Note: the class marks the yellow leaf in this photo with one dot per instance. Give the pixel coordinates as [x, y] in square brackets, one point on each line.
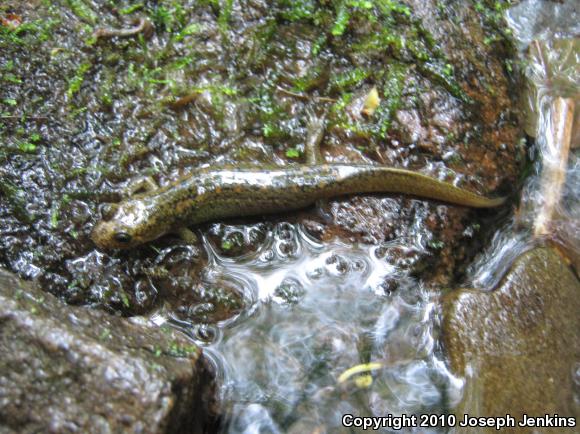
[364, 381]
[358, 369]
[372, 101]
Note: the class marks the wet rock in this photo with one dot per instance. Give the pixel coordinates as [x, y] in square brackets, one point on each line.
[519, 345]
[68, 369]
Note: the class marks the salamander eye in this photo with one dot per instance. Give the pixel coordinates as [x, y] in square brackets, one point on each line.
[108, 210]
[122, 237]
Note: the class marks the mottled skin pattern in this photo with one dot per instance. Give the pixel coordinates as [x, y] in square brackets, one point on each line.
[209, 194]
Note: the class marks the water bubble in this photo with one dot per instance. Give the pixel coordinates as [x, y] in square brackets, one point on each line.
[207, 333]
[337, 265]
[290, 291]
[178, 259]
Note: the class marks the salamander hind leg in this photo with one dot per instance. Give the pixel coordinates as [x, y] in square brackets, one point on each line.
[188, 236]
[143, 184]
[190, 240]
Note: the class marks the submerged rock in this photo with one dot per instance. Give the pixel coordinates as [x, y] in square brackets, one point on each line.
[68, 369]
[519, 345]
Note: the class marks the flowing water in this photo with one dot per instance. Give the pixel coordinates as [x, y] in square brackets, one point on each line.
[313, 311]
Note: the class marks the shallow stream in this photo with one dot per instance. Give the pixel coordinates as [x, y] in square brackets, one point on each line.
[314, 310]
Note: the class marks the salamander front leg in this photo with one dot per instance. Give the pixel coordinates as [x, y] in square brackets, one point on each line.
[316, 129]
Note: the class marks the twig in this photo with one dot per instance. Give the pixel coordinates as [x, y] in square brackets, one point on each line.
[555, 163]
[306, 97]
[144, 26]
[538, 47]
[24, 117]
[183, 101]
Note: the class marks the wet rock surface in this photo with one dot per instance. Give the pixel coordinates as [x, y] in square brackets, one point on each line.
[519, 346]
[74, 370]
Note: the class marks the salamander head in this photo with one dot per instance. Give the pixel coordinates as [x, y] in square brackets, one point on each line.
[127, 225]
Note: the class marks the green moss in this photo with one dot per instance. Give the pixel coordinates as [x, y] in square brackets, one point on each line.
[168, 15]
[83, 10]
[351, 78]
[366, 11]
[76, 82]
[162, 18]
[54, 216]
[392, 93]
[293, 153]
[442, 74]
[225, 15]
[106, 99]
[75, 112]
[130, 9]
[192, 29]
[320, 42]
[124, 299]
[296, 10]
[231, 241]
[9, 38]
[182, 350]
[29, 34]
[270, 130]
[436, 244]
[339, 106]
[10, 78]
[17, 199]
[268, 113]
[379, 42]
[342, 19]
[8, 66]
[182, 62]
[492, 13]
[27, 147]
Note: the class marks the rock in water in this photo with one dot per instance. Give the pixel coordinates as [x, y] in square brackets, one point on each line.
[68, 369]
[519, 345]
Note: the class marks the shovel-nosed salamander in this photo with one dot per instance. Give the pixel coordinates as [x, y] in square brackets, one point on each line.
[211, 194]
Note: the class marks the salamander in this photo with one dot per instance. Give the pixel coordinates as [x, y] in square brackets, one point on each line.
[211, 194]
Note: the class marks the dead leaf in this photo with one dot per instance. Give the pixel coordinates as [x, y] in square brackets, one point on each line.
[12, 21]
